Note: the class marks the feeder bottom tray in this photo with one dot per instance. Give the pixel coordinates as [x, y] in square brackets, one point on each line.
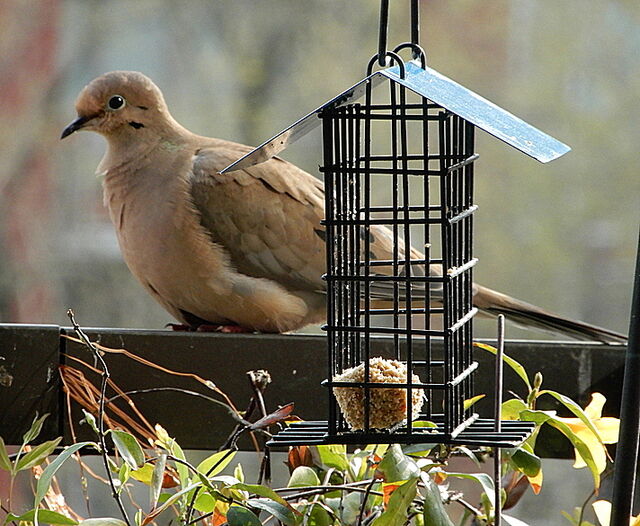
[478, 433]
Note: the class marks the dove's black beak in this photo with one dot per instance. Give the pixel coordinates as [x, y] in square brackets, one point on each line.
[74, 126]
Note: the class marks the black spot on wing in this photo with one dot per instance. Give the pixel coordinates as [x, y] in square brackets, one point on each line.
[322, 234]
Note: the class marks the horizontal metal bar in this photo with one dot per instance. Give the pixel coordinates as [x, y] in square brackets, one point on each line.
[464, 374]
[380, 278]
[401, 210]
[388, 262]
[384, 330]
[421, 310]
[386, 221]
[456, 271]
[461, 164]
[462, 321]
[378, 385]
[462, 215]
[372, 170]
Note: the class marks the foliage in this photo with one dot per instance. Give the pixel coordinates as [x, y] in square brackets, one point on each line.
[329, 485]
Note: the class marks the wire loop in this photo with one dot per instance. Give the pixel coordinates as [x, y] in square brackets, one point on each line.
[417, 52]
[388, 54]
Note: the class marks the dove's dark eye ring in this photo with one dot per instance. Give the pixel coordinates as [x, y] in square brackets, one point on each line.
[116, 102]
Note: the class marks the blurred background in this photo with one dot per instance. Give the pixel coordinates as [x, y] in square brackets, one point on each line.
[561, 235]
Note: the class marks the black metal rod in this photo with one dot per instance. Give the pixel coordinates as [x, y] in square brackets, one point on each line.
[382, 36]
[415, 24]
[497, 460]
[624, 476]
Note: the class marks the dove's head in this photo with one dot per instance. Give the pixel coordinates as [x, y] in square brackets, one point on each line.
[119, 102]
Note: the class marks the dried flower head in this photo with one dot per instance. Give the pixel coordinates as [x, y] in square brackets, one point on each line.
[388, 406]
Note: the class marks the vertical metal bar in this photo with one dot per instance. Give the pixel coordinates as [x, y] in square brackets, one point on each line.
[469, 174]
[407, 249]
[359, 240]
[367, 250]
[426, 195]
[497, 474]
[443, 131]
[354, 298]
[395, 206]
[624, 476]
[327, 137]
[339, 240]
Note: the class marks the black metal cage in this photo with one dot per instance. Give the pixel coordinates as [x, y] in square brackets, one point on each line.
[399, 174]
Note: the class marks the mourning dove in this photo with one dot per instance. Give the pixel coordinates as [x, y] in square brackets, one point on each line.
[245, 249]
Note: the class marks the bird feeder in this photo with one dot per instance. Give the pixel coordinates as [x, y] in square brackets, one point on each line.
[398, 164]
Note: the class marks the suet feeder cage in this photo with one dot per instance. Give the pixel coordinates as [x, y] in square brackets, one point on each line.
[398, 164]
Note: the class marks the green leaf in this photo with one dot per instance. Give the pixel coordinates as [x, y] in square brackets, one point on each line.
[482, 478]
[37, 455]
[183, 471]
[419, 450]
[396, 466]
[575, 409]
[262, 491]
[237, 516]
[49, 472]
[5, 463]
[157, 478]
[280, 512]
[44, 516]
[205, 503]
[123, 475]
[91, 421]
[216, 462]
[517, 368]
[471, 401]
[582, 448]
[319, 517]
[511, 409]
[172, 500]
[144, 474]
[434, 511]
[526, 462]
[35, 429]
[128, 447]
[399, 502]
[102, 521]
[303, 476]
[333, 456]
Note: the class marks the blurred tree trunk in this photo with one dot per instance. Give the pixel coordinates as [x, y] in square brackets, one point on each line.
[28, 39]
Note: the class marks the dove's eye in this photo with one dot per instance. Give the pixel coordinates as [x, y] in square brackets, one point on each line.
[116, 102]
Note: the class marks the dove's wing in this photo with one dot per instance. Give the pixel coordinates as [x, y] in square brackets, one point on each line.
[267, 216]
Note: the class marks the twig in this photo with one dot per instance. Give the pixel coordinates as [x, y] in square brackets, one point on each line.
[103, 391]
[233, 414]
[192, 502]
[208, 383]
[364, 501]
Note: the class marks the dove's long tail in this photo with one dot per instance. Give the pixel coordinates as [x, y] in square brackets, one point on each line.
[524, 314]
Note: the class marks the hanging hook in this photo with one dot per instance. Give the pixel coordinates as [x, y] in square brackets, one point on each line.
[382, 35]
[417, 52]
[394, 57]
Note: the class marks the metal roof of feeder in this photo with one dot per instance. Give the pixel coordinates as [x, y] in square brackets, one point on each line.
[437, 88]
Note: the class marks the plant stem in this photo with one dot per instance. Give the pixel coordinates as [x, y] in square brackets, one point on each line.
[101, 414]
